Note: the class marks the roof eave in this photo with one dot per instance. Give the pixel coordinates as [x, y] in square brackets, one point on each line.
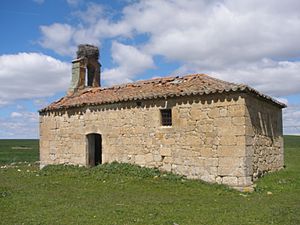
[239, 89]
[247, 89]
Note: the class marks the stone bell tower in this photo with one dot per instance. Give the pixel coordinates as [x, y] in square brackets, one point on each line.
[85, 68]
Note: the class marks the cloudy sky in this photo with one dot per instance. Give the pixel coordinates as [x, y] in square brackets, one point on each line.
[251, 41]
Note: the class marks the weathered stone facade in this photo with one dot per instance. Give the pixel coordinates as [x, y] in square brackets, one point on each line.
[216, 138]
[219, 132]
[264, 136]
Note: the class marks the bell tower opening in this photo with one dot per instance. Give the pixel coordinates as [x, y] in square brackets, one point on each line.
[85, 68]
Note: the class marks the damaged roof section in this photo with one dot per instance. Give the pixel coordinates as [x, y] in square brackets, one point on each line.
[195, 84]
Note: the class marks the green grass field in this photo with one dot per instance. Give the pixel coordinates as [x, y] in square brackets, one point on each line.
[18, 151]
[125, 194]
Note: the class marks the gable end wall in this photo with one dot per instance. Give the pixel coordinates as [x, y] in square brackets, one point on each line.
[264, 136]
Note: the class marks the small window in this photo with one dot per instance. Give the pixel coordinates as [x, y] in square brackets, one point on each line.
[166, 117]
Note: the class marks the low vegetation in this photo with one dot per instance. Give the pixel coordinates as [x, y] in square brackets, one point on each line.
[18, 151]
[127, 194]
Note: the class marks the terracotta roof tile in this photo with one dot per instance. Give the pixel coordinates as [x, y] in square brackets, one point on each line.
[195, 84]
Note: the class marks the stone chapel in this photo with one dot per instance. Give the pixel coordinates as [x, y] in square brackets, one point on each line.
[193, 125]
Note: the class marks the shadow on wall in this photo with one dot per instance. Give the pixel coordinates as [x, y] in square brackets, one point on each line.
[149, 103]
[266, 118]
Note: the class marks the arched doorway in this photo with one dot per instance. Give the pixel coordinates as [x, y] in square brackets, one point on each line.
[94, 149]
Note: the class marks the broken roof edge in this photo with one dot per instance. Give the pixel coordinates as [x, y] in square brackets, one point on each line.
[236, 88]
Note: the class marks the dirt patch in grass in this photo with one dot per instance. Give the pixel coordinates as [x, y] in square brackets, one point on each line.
[20, 148]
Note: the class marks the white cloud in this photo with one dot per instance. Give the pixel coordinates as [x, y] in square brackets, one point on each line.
[130, 60]
[92, 28]
[92, 14]
[291, 117]
[15, 114]
[3, 102]
[216, 33]
[31, 75]
[251, 41]
[276, 78]
[19, 125]
[59, 38]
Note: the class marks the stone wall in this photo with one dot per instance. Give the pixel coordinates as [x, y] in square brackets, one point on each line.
[207, 139]
[264, 136]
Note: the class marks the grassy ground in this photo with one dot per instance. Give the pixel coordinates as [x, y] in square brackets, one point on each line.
[125, 194]
[18, 151]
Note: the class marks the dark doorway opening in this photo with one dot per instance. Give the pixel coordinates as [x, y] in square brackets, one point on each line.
[94, 146]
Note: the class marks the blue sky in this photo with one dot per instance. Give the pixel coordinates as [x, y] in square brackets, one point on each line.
[253, 42]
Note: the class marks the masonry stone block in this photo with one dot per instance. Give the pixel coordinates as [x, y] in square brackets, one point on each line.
[230, 166]
[229, 140]
[166, 152]
[140, 159]
[214, 113]
[231, 151]
[216, 141]
[231, 181]
[223, 112]
[166, 167]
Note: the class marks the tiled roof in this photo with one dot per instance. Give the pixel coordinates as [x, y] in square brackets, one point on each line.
[196, 84]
